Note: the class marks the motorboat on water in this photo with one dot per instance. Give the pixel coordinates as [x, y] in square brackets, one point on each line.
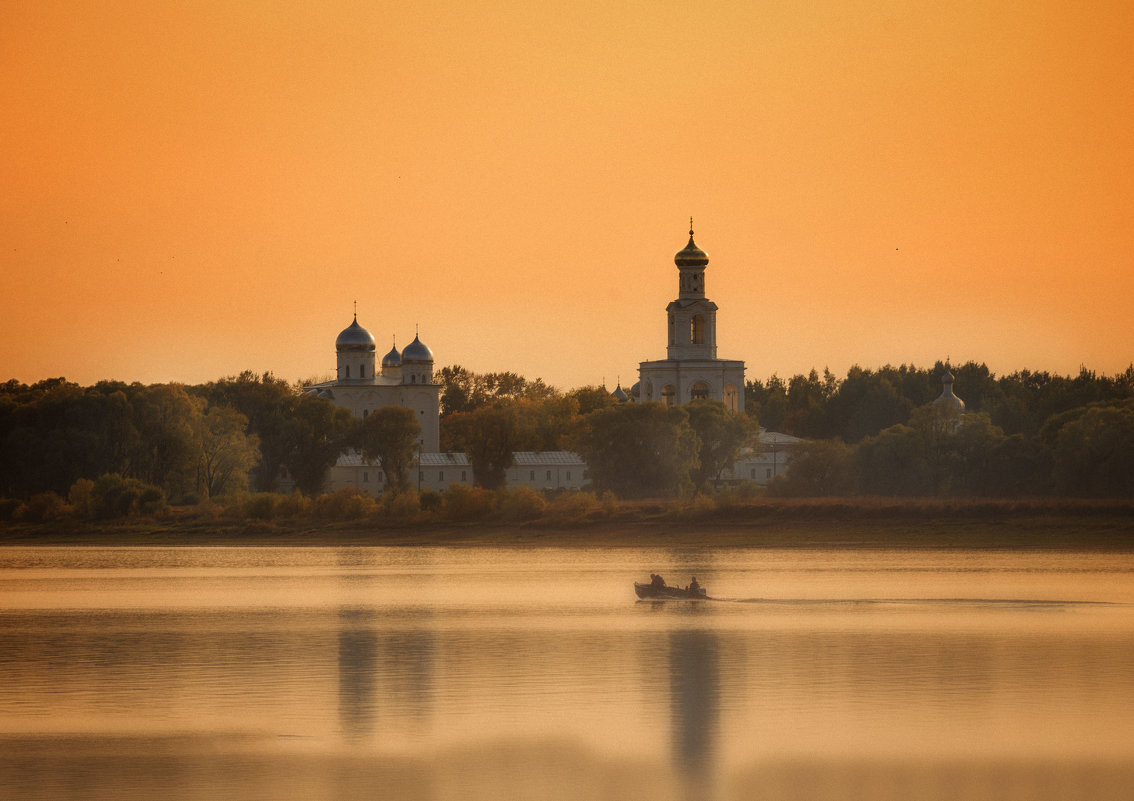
[661, 591]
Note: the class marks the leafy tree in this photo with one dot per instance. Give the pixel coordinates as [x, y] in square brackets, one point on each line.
[319, 432]
[1094, 453]
[767, 402]
[722, 434]
[465, 391]
[167, 420]
[490, 435]
[225, 453]
[390, 436]
[818, 468]
[638, 449]
[269, 404]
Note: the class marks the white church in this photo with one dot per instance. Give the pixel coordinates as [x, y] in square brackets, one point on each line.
[691, 370]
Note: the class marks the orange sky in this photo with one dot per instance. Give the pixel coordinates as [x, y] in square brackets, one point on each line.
[192, 189]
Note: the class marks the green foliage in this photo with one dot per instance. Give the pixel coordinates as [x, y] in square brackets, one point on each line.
[721, 434]
[115, 496]
[81, 497]
[430, 500]
[9, 508]
[225, 453]
[401, 507]
[490, 435]
[818, 467]
[521, 503]
[319, 433]
[390, 436]
[574, 507]
[42, 507]
[638, 450]
[466, 504]
[349, 503]
[465, 391]
[1094, 453]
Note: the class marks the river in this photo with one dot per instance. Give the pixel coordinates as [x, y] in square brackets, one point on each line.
[514, 673]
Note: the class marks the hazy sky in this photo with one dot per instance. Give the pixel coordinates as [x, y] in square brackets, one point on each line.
[189, 189]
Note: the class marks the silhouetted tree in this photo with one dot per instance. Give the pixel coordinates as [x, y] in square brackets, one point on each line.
[390, 435]
[638, 449]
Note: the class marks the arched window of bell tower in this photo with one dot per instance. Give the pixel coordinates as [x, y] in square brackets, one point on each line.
[669, 395]
[697, 330]
[699, 391]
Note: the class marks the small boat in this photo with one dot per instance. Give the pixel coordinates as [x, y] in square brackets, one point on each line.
[664, 591]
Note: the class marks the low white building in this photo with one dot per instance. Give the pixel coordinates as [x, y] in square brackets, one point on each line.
[547, 470]
[766, 462]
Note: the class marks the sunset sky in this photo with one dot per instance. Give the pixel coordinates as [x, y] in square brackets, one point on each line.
[190, 189]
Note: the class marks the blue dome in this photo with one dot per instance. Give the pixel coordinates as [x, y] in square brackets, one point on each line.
[355, 337]
[392, 359]
[416, 351]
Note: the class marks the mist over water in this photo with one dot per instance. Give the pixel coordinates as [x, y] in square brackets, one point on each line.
[458, 673]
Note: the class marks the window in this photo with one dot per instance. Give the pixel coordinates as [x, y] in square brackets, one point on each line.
[668, 395]
[365, 477]
[699, 391]
[568, 475]
[420, 476]
[697, 330]
[753, 473]
[769, 473]
[730, 397]
[549, 475]
[362, 371]
[440, 475]
[348, 371]
[463, 475]
[532, 476]
[413, 379]
[364, 413]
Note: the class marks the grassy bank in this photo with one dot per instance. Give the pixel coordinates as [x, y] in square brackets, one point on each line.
[762, 523]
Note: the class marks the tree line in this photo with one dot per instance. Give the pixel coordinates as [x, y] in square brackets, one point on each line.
[124, 446]
[877, 432]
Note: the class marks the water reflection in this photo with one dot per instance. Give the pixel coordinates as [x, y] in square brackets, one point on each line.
[358, 666]
[695, 709]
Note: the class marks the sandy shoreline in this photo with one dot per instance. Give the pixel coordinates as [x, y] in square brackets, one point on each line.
[776, 528]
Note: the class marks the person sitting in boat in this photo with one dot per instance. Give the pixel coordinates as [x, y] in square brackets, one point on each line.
[656, 581]
[693, 585]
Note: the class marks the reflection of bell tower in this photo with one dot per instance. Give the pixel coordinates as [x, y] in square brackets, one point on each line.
[692, 317]
[694, 707]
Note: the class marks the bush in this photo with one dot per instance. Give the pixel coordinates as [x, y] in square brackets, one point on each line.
[430, 500]
[295, 505]
[41, 507]
[8, 508]
[349, 503]
[114, 496]
[573, 506]
[81, 497]
[151, 501]
[401, 507]
[521, 503]
[468, 503]
[259, 506]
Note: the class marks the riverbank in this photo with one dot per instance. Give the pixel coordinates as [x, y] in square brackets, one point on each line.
[852, 523]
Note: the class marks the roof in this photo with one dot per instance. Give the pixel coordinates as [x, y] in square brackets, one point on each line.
[532, 458]
[766, 437]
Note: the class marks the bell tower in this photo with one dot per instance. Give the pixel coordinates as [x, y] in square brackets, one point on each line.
[692, 317]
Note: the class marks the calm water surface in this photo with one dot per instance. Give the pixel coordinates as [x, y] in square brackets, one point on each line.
[445, 673]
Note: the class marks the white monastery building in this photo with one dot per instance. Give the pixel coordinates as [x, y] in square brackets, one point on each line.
[691, 370]
[405, 379]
